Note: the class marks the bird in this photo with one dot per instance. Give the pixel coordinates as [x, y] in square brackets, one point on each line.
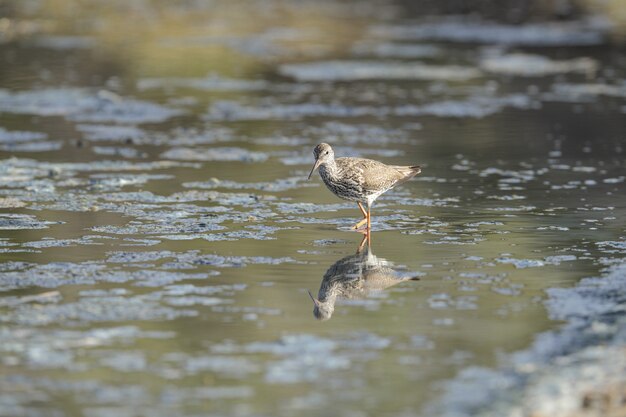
[359, 179]
[355, 277]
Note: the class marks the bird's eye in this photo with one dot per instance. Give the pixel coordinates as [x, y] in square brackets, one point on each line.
[326, 153]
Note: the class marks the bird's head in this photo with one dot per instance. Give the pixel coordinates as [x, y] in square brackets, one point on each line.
[323, 153]
[322, 311]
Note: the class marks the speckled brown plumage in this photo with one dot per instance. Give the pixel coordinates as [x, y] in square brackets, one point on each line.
[359, 179]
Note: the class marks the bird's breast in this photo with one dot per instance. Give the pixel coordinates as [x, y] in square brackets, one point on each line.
[341, 184]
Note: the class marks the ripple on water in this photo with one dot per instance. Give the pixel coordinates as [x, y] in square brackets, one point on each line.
[524, 175]
[214, 154]
[533, 263]
[474, 106]
[114, 181]
[309, 358]
[614, 180]
[94, 132]
[83, 105]
[178, 228]
[356, 134]
[562, 367]
[173, 394]
[31, 168]
[225, 236]
[49, 349]
[396, 50]
[14, 221]
[368, 70]
[511, 197]
[230, 366]
[536, 65]
[282, 141]
[94, 309]
[56, 243]
[614, 246]
[195, 258]
[121, 151]
[57, 274]
[305, 158]
[46, 146]
[14, 136]
[584, 92]
[259, 45]
[583, 32]
[63, 43]
[212, 82]
[281, 184]
[231, 110]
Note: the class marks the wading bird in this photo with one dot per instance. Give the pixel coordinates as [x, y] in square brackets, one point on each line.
[359, 179]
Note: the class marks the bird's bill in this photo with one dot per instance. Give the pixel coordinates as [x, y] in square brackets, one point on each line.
[315, 300]
[315, 165]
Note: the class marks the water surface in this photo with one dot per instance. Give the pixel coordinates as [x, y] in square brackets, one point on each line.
[159, 236]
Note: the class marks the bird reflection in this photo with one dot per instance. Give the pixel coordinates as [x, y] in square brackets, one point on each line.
[355, 277]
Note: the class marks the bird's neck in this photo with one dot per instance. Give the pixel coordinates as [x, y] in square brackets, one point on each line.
[329, 169]
[329, 298]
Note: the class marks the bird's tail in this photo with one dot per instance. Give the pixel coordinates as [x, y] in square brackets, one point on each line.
[407, 172]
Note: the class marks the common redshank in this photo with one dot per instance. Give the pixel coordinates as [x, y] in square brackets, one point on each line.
[359, 179]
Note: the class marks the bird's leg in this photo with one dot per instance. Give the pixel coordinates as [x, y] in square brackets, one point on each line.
[366, 238]
[359, 224]
[362, 222]
[369, 222]
[362, 209]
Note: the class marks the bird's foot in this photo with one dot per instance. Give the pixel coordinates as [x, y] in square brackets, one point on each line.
[360, 224]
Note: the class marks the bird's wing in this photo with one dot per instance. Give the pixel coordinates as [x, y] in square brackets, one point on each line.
[369, 174]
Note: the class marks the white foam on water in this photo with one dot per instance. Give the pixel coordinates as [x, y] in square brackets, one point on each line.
[456, 29]
[12, 136]
[529, 65]
[569, 92]
[214, 154]
[84, 105]
[474, 107]
[212, 82]
[557, 372]
[396, 50]
[371, 70]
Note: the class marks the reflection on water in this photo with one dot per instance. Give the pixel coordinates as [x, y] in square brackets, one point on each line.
[355, 277]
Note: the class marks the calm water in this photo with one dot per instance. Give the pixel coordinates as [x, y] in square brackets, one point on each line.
[159, 236]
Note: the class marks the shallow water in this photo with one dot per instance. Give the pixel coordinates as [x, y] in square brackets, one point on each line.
[159, 236]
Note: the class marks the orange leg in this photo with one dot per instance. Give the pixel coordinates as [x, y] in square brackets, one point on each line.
[362, 209]
[369, 222]
[366, 239]
[365, 217]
